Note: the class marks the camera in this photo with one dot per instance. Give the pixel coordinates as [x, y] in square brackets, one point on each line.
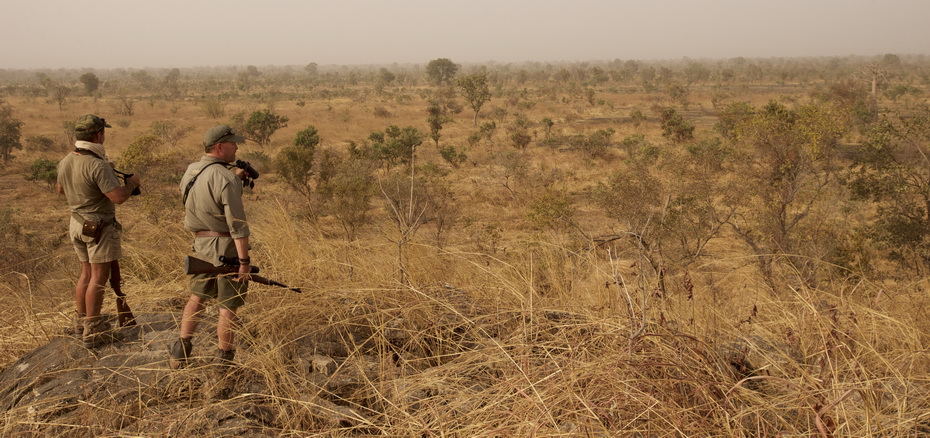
[137, 191]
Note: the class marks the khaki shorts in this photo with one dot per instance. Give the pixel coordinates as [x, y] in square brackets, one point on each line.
[229, 293]
[104, 250]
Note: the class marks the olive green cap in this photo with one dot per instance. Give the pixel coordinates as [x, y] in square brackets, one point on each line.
[90, 124]
[221, 134]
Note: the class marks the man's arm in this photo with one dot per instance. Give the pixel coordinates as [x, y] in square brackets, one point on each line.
[120, 194]
[242, 250]
[60, 189]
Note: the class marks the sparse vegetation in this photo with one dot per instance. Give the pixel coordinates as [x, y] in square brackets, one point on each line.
[748, 260]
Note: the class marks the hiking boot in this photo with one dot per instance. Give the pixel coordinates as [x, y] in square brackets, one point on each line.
[97, 331]
[224, 358]
[180, 353]
[77, 326]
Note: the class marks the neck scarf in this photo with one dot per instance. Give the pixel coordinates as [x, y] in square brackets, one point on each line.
[93, 147]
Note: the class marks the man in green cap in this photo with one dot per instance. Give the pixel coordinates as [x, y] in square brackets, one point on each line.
[92, 191]
[212, 196]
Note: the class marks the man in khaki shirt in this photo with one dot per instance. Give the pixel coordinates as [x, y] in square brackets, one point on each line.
[214, 213]
[92, 191]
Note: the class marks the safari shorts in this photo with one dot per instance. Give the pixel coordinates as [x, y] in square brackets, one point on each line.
[103, 250]
[228, 293]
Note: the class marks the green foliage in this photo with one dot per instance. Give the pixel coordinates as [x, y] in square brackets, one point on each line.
[548, 123]
[453, 156]
[674, 126]
[138, 155]
[40, 142]
[295, 163]
[519, 133]
[391, 146]
[784, 173]
[10, 130]
[43, 170]
[898, 91]
[633, 197]
[854, 97]
[10, 228]
[441, 71]
[475, 91]
[90, 82]
[437, 115]
[214, 107]
[731, 116]
[639, 150]
[672, 221]
[552, 210]
[169, 132]
[597, 144]
[345, 185]
[637, 117]
[891, 171]
[261, 125]
[711, 154]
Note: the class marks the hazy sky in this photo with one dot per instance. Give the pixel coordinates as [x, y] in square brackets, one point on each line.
[191, 33]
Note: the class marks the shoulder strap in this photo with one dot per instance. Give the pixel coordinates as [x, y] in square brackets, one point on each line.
[190, 183]
[87, 152]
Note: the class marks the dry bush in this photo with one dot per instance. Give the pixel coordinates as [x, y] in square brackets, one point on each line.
[529, 311]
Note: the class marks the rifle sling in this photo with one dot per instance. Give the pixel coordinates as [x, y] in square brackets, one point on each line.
[190, 183]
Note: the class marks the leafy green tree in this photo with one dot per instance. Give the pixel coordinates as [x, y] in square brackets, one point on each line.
[475, 91]
[43, 170]
[10, 131]
[893, 171]
[346, 185]
[436, 117]
[548, 123]
[519, 133]
[440, 108]
[295, 163]
[90, 82]
[441, 71]
[392, 146]
[674, 126]
[784, 171]
[261, 125]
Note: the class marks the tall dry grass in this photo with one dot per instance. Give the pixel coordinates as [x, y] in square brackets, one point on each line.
[513, 332]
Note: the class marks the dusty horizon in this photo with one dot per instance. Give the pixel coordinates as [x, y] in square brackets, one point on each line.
[193, 34]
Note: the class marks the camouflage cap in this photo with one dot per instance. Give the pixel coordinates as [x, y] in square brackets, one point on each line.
[90, 124]
[221, 134]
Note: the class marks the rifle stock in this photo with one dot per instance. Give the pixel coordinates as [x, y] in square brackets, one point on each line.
[194, 266]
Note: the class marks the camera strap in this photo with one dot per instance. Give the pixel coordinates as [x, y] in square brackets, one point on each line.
[190, 184]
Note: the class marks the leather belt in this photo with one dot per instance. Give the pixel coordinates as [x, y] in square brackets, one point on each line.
[208, 233]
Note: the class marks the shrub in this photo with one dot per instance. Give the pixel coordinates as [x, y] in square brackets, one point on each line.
[9, 132]
[261, 125]
[43, 170]
[41, 142]
[214, 107]
[452, 155]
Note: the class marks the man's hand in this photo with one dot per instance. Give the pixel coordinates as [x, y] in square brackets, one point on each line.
[134, 180]
[244, 271]
[241, 173]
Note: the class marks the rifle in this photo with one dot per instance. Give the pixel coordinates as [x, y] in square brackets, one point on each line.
[124, 315]
[193, 266]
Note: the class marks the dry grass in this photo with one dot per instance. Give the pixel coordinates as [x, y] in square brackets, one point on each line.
[507, 330]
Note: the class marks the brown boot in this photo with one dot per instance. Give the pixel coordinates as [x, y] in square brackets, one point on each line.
[179, 353]
[97, 331]
[77, 325]
[224, 359]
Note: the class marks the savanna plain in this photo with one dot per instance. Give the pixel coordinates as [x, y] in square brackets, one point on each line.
[733, 247]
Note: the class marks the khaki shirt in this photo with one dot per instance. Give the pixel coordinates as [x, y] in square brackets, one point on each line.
[85, 180]
[214, 204]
